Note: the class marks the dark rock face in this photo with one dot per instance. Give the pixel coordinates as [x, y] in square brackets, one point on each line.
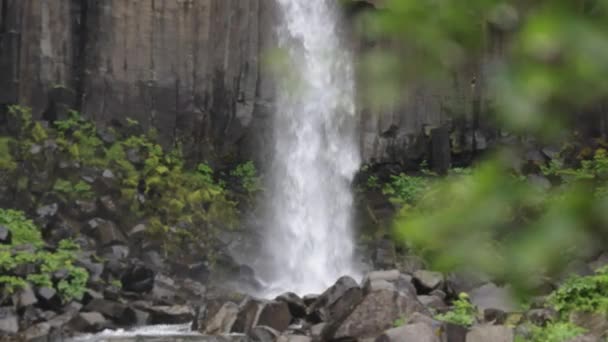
[88, 322]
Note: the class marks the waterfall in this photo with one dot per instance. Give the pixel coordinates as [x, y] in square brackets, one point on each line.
[316, 154]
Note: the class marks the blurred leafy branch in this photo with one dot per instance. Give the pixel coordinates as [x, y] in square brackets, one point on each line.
[542, 67]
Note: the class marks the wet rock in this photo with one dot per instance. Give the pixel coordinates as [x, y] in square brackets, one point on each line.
[276, 315]
[296, 305]
[490, 296]
[494, 333]
[316, 331]
[223, 320]
[264, 334]
[118, 312]
[427, 281]
[89, 322]
[105, 231]
[6, 237]
[9, 323]
[455, 333]
[294, 338]
[176, 314]
[247, 316]
[376, 313]
[48, 298]
[418, 332]
[141, 317]
[336, 302]
[164, 288]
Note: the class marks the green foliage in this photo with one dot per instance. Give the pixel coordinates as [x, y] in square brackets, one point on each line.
[372, 183]
[72, 191]
[46, 261]
[247, 175]
[404, 189]
[555, 332]
[400, 322]
[10, 284]
[23, 230]
[584, 294]
[462, 312]
[7, 162]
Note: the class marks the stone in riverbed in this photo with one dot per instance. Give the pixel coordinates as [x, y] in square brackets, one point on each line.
[223, 320]
[276, 315]
[176, 314]
[120, 313]
[48, 298]
[264, 334]
[248, 314]
[138, 278]
[89, 322]
[295, 303]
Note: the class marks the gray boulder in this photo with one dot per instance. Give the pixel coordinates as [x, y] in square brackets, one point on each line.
[118, 312]
[223, 320]
[276, 315]
[25, 297]
[90, 322]
[6, 237]
[376, 313]
[9, 324]
[494, 333]
[105, 231]
[490, 296]
[336, 302]
[427, 281]
[417, 332]
[175, 314]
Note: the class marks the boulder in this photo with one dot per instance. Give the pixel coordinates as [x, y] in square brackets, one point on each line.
[223, 320]
[402, 282]
[116, 252]
[105, 231]
[37, 333]
[6, 237]
[47, 212]
[433, 302]
[164, 288]
[264, 334]
[427, 281]
[138, 278]
[336, 302]
[9, 323]
[89, 295]
[175, 314]
[596, 324]
[417, 332]
[296, 305]
[294, 338]
[375, 314]
[120, 313]
[494, 333]
[48, 298]
[90, 322]
[84, 209]
[275, 315]
[25, 297]
[490, 296]
[107, 205]
[247, 316]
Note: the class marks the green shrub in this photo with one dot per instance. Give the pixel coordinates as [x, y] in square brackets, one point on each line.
[586, 294]
[462, 312]
[405, 189]
[555, 332]
[247, 174]
[73, 191]
[23, 230]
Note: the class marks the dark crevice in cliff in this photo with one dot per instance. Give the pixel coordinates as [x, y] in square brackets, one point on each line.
[3, 16]
[80, 51]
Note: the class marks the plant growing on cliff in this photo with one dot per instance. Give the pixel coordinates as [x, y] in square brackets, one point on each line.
[247, 175]
[462, 312]
[555, 332]
[406, 189]
[584, 294]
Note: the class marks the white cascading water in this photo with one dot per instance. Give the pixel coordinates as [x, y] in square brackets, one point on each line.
[316, 152]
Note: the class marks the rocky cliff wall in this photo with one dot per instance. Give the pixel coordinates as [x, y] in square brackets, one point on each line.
[191, 69]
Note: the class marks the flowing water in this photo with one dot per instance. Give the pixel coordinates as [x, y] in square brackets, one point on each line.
[316, 153]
